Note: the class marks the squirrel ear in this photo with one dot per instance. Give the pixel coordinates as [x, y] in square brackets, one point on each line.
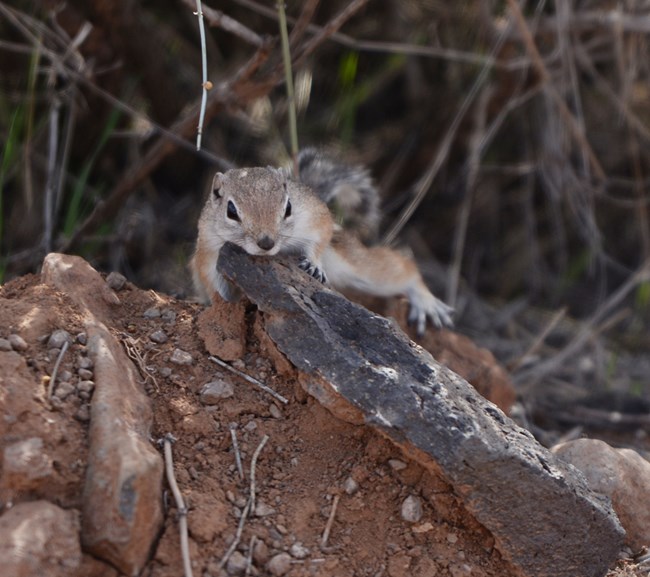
[216, 184]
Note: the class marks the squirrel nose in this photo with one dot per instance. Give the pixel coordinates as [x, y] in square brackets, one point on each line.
[266, 243]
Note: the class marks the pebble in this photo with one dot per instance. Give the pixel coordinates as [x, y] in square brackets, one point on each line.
[65, 375]
[84, 362]
[86, 386]
[260, 552]
[279, 564]
[85, 374]
[82, 338]
[263, 510]
[215, 391]
[5, 345]
[165, 372]
[396, 464]
[159, 337]
[236, 564]
[151, 313]
[58, 338]
[299, 551]
[350, 486]
[17, 342]
[169, 316]
[180, 357]
[116, 281]
[452, 538]
[250, 426]
[412, 509]
[83, 414]
[64, 390]
[276, 413]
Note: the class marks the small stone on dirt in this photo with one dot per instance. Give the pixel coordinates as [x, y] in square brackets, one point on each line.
[152, 313]
[263, 510]
[276, 413]
[159, 337]
[180, 357]
[215, 391]
[58, 338]
[64, 390]
[17, 342]
[5, 345]
[236, 564]
[84, 362]
[116, 281]
[260, 552]
[83, 413]
[279, 564]
[86, 386]
[82, 338]
[85, 374]
[412, 509]
[396, 464]
[350, 486]
[299, 551]
[169, 316]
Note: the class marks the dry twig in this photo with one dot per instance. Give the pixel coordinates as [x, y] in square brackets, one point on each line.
[180, 503]
[55, 370]
[235, 446]
[251, 380]
[330, 522]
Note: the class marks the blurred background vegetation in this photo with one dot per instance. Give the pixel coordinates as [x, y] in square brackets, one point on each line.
[510, 142]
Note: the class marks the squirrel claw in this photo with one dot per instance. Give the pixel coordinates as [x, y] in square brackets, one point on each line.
[433, 309]
[312, 270]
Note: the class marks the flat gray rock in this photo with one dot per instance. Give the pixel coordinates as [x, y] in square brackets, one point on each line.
[544, 518]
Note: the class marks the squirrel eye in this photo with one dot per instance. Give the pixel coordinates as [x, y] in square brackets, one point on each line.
[287, 211]
[231, 211]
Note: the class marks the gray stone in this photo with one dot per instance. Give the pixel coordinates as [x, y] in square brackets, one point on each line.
[299, 551]
[620, 474]
[5, 345]
[276, 413]
[64, 389]
[279, 564]
[180, 357]
[85, 374]
[84, 362]
[412, 509]
[18, 343]
[116, 281]
[159, 337]
[396, 464]
[236, 564]
[151, 313]
[82, 338]
[58, 338]
[350, 486]
[86, 386]
[39, 538]
[215, 391]
[363, 369]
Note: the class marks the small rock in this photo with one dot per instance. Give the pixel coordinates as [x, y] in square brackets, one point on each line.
[56, 403]
[263, 510]
[452, 538]
[299, 551]
[159, 337]
[83, 413]
[180, 357]
[165, 372]
[5, 345]
[18, 343]
[412, 509]
[116, 281]
[25, 464]
[85, 374]
[84, 362]
[58, 338]
[279, 564]
[169, 316]
[260, 552]
[65, 375]
[64, 390]
[620, 474]
[53, 354]
[350, 486]
[276, 413]
[250, 426]
[396, 464]
[151, 313]
[236, 564]
[82, 338]
[215, 391]
[86, 386]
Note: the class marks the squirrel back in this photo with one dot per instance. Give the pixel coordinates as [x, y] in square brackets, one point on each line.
[347, 190]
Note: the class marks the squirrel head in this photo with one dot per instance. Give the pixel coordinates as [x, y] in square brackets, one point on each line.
[252, 208]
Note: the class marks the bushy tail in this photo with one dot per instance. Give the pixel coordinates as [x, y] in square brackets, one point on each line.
[348, 190]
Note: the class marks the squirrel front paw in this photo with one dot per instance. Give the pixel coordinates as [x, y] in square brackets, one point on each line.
[425, 306]
[312, 270]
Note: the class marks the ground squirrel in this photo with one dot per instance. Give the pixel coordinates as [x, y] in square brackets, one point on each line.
[266, 211]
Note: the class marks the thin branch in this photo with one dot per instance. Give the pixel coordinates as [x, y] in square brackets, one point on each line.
[330, 522]
[256, 456]
[55, 370]
[235, 446]
[288, 79]
[250, 379]
[205, 86]
[218, 19]
[180, 503]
